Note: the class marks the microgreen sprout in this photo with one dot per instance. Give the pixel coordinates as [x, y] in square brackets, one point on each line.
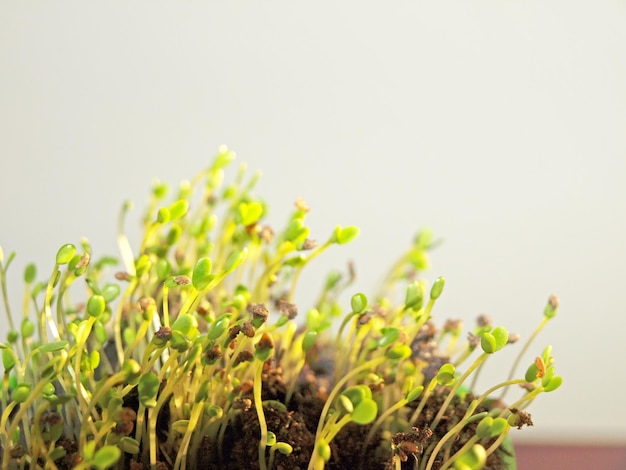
[189, 352]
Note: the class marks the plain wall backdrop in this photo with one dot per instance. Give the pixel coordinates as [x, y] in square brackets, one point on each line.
[500, 124]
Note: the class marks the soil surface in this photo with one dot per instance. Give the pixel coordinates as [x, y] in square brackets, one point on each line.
[349, 450]
[296, 425]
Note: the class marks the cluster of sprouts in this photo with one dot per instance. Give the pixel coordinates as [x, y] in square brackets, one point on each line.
[181, 336]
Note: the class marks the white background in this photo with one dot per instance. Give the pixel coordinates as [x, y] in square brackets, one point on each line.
[501, 124]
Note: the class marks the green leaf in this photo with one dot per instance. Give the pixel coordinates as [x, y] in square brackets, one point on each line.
[128, 335]
[180, 426]
[552, 307]
[48, 389]
[163, 216]
[100, 332]
[549, 373]
[147, 389]
[213, 411]
[163, 268]
[96, 305]
[12, 336]
[483, 428]
[201, 276]
[296, 231]
[357, 393]
[129, 445]
[159, 189]
[132, 369]
[224, 157]
[89, 450]
[219, 327]
[437, 288]
[501, 335]
[264, 347]
[65, 254]
[473, 459]
[295, 261]
[531, 373]
[424, 238]
[30, 273]
[94, 359]
[413, 394]
[186, 324]
[170, 282]
[402, 351]
[142, 265]
[418, 259]
[499, 426]
[8, 361]
[365, 412]
[308, 341]
[178, 209]
[57, 453]
[234, 260]
[414, 298]
[249, 213]
[106, 457]
[180, 342]
[446, 375]
[114, 407]
[174, 234]
[110, 292]
[390, 336]
[554, 383]
[271, 438]
[342, 235]
[21, 392]
[488, 343]
[74, 262]
[52, 347]
[28, 328]
[345, 404]
[283, 448]
[358, 303]
[316, 321]
[323, 449]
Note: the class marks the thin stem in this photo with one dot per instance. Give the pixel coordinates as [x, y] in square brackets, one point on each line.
[454, 389]
[5, 295]
[468, 418]
[298, 271]
[398, 405]
[181, 456]
[19, 416]
[258, 405]
[337, 388]
[48, 309]
[523, 351]
[126, 252]
[117, 321]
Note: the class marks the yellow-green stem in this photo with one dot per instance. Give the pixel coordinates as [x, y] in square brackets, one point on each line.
[523, 351]
[21, 413]
[258, 405]
[337, 388]
[454, 389]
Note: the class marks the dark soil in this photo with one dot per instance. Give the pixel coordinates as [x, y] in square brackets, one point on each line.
[297, 427]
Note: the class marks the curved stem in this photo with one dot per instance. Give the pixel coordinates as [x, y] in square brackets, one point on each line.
[337, 388]
[468, 418]
[523, 351]
[258, 404]
[457, 385]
